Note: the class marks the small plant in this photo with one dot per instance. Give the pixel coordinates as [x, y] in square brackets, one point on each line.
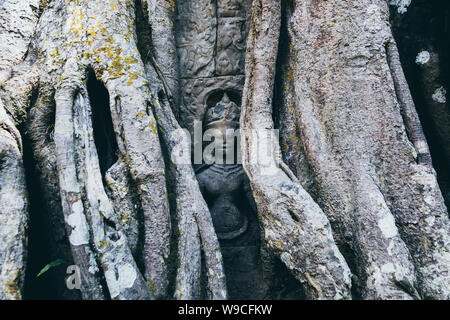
[50, 265]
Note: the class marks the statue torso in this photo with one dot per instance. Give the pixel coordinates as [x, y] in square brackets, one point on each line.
[223, 187]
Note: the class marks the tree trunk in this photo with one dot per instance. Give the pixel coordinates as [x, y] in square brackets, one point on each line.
[109, 95]
[348, 116]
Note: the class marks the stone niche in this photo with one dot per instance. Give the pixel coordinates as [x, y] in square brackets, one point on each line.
[226, 190]
[211, 45]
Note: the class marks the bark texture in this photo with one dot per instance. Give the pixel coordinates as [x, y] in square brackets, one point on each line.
[349, 203]
[352, 135]
[16, 29]
[73, 39]
[422, 34]
[295, 227]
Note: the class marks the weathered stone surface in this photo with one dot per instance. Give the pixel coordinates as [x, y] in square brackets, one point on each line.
[222, 186]
[211, 43]
[230, 46]
[196, 38]
[225, 188]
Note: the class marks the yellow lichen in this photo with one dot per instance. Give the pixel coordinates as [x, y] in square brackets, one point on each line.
[54, 53]
[133, 77]
[152, 126]
[109, 39]
[151, 286]
[12, 286]
[91, 32]
[129, 60]
[171, 5]
[101, 28]
[104, 243]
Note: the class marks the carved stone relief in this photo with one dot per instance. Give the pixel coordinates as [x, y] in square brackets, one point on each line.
[211, 41]
[226, 190]
[196, 38]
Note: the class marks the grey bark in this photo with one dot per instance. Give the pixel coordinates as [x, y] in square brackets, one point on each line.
[72, 38]
[16, 29]
[360, 150]
[194, 219]
[13, 212]
[295, 227]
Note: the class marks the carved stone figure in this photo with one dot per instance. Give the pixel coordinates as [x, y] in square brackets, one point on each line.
[226, 190]
[223, 183]
[211, 42]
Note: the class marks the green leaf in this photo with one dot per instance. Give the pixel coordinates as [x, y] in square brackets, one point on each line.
[50, 265]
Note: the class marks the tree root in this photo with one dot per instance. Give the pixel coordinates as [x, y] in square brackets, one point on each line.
[295, 227]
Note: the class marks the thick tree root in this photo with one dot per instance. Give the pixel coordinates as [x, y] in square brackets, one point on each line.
[71, 195]
[95, 233]
[94, 227]
[194, 218]
[18, 20]
[13, 210]
[295, 227]
[408, 109]
[193, 215]
[366, 160]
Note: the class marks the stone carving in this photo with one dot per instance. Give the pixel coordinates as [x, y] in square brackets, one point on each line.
[196, 38]
[211, 37]
[195, 93]
[232, 8]
[230, 46]
[226, 189]
[222, 183]
[211, 41]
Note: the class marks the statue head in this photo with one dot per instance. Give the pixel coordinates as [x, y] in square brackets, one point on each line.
[221, 124]
[223, 115]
